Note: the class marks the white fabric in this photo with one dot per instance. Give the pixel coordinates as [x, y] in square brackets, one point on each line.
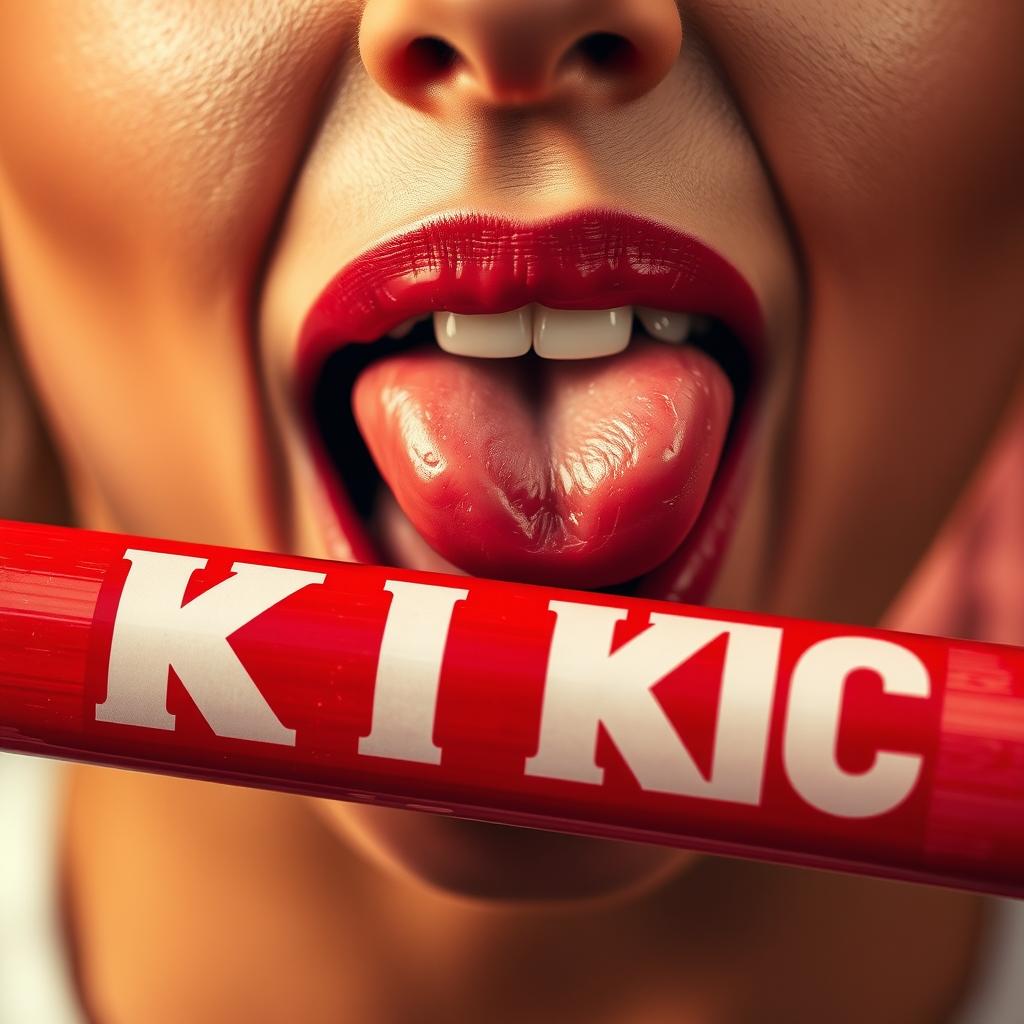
[997, 995]
[35, 982]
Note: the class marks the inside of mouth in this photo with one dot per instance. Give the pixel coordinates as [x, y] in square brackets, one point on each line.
[350, 457]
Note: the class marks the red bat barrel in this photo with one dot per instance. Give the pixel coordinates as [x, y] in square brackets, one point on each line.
[753, 735]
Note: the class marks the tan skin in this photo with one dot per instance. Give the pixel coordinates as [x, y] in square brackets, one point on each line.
[178, 180]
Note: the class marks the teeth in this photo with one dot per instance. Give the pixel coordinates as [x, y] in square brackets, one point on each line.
[404, 329]
[554, 333]
[581, 334]
[495, 336]
[671, 327]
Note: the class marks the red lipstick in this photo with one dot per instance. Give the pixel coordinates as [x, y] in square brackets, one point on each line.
[791, 741]
[479, 264]
[589, 473]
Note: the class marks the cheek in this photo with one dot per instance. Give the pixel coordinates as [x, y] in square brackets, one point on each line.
[146, 148]
[890, 129]
[898, 110]
[497, 862]
[162, 131]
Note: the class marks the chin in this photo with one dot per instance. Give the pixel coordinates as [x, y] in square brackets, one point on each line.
[481, 861]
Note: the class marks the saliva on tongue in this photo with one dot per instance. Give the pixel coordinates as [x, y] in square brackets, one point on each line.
[578, 473]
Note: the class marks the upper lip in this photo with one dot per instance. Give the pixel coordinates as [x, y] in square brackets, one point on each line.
[482, 263]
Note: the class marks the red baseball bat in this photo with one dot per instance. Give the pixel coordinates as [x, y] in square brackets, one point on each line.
[754, 735]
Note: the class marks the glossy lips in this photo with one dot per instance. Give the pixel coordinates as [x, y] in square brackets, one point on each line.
[584, 473]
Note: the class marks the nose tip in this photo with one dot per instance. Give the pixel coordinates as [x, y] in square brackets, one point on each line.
[436, 54]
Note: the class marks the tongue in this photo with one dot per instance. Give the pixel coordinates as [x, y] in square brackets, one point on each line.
[581, 474]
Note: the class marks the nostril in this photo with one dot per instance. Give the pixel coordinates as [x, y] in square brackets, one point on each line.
[447, 56]
[607, 52]
[427, 60]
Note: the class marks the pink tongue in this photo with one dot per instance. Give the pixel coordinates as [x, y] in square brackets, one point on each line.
[580, 473]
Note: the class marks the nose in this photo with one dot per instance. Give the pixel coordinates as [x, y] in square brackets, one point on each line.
[438, 54]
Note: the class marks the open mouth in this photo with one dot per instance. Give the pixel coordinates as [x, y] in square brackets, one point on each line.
[564, 403]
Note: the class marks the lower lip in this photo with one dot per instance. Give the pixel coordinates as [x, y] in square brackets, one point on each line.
[562, 263]
[777, 739]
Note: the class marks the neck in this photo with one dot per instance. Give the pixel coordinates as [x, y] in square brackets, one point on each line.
[259, 913]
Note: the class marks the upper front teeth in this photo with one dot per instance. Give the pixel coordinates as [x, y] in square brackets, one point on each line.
[495, 336]
[553, 333]
[581, 334]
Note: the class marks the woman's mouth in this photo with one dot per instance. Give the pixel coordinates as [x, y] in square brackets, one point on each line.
[564, 403]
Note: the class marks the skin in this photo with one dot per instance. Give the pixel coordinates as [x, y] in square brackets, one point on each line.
[205, 168]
